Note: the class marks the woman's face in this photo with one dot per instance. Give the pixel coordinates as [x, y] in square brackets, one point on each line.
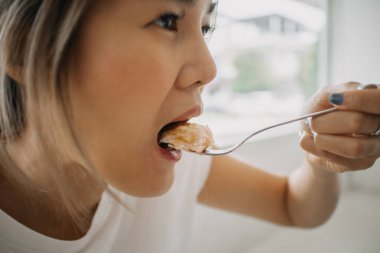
[137, 66]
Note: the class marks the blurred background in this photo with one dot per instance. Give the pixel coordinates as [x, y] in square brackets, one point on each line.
[272, 55]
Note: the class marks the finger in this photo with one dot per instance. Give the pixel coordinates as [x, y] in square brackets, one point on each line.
[357, 147]
[339, 164]
[320, 100]
[307, 143]
[330, 161]
[358, 100]
[345, 122]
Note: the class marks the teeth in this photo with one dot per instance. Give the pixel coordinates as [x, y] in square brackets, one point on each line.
[166, 145]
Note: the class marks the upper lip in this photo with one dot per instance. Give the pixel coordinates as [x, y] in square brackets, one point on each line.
[193, 112]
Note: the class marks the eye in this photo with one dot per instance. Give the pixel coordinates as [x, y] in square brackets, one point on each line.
[168, 21]
[207, 30]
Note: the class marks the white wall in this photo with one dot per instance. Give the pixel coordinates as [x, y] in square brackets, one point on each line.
[354, 41]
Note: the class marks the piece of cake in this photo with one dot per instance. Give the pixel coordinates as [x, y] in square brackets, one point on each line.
[187, 136]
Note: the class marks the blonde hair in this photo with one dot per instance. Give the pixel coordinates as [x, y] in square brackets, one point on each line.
[35, 41]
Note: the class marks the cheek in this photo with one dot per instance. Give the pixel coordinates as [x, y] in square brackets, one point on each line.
[120, 88]
[136, 81]
[116, 102]
[120, 81]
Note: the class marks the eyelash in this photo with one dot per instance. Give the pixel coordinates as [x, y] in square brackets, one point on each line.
[173, 18]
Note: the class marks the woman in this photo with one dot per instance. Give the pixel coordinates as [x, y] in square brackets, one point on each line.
[86, 88]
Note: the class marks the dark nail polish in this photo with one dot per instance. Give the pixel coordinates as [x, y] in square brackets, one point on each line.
[336, 98]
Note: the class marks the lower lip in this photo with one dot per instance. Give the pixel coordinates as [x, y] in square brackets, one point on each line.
[171, 155]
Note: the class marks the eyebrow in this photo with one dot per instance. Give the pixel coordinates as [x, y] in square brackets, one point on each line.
[211, 9]
[187, 2]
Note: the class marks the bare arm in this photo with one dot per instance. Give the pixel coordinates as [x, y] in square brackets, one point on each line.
[312, 196]
[304, 199]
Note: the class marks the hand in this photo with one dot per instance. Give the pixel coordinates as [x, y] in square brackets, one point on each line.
[343, 140]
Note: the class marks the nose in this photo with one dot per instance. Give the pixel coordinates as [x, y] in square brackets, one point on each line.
[199, 67]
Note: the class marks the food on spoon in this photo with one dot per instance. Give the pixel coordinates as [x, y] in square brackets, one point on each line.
[187, 136]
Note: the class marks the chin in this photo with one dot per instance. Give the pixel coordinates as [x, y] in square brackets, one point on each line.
[149, 186]
[158, 186]
[148, 190]
[156, 191]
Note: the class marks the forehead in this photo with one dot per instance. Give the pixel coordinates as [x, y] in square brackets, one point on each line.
[211, 3]
[136, 7]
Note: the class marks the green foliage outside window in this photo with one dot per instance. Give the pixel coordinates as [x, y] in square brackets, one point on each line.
[254, 72]
[308, 75]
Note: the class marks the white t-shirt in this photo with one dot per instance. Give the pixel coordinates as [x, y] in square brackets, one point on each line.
[155, 225]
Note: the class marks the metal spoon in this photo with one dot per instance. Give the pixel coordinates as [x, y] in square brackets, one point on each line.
[217, 152]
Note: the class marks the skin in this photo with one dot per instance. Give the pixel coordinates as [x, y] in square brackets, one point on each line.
[130, 76]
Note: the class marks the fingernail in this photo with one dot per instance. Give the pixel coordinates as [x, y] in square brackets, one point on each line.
[336, 99]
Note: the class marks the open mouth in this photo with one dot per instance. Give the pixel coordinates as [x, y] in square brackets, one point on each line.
[166, 128]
